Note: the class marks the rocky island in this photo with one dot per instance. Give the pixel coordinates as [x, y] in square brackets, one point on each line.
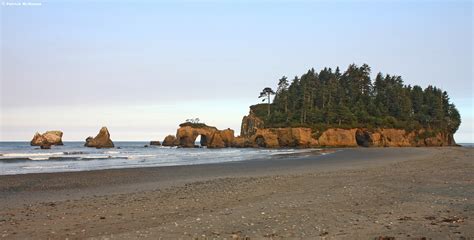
[334, 109]
[253, 134]
[325, 109]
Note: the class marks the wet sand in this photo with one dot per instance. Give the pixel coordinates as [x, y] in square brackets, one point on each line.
[406, 193]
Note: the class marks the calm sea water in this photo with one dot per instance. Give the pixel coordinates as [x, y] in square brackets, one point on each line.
[21, 158]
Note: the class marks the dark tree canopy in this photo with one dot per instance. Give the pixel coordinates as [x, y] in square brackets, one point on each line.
[352, 99]
[266, 93]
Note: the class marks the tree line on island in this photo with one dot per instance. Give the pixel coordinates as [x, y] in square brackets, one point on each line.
[352, 99]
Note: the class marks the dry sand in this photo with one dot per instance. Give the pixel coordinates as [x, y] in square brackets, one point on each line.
[406, 193]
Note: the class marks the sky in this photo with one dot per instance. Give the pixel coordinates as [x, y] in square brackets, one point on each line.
[142, 67]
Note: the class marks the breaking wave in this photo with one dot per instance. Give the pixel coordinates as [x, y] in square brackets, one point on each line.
[20, 158]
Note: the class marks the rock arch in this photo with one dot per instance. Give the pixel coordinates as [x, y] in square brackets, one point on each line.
[210, 136]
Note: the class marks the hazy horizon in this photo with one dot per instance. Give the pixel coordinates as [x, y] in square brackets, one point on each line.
[141, 68]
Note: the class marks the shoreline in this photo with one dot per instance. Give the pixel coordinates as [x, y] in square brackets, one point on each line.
[159, 157]
[145, 178]
[360, 192]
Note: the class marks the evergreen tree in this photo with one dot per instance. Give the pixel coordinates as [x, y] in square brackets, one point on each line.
[352, 99]
[267, 92]
[282, 93]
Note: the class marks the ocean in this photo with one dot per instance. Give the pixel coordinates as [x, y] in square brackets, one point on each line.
[21, 158]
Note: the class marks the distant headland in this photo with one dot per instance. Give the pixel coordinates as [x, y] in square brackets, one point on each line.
[323, 109]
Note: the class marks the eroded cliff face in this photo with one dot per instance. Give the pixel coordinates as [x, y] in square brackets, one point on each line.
[250, 124]
[254, 136]
[401, 138]
[336, 137]
[283, 137]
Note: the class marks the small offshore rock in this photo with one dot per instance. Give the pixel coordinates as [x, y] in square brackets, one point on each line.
[102, 140]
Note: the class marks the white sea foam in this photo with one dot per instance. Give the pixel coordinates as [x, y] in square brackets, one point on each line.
[31, 154]
[46, 167]
[292, 151]
[138, 156]
[96, 157]
[75, 153]
[21, 159]
[112, 152]
[38, 158]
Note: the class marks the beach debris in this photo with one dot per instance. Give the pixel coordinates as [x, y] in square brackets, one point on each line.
[270, 235]
[384, 238]
[237, 236]
[405, 218]
[324, 233]
[453, 219]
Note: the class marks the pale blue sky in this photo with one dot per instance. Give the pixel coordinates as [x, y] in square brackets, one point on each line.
[142, 67]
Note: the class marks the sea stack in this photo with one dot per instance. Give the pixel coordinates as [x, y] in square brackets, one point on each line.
[170, 141]
[47, 139]
[102, 140]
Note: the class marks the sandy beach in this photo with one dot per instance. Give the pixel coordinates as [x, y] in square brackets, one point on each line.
[360, 193]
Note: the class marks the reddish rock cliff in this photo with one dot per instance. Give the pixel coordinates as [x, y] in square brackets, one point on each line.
[253, 135]
[336, 137]
[227, 136]
[250, 124]
[211, 137]
[282, 137]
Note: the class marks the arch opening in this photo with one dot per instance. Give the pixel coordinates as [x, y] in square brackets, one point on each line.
[363, 138]
[201, 141]
[260, 141]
